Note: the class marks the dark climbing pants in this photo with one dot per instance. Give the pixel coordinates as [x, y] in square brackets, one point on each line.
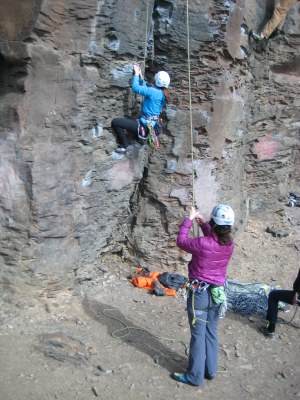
[203, 356]
[120, 126]
[275, 296]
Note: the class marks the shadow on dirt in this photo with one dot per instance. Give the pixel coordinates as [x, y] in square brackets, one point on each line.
[136, 336]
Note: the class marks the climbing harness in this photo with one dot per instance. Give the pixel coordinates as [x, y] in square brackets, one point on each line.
[217, 293]
[196, 286]
[153, 118]
[149, 132]
[191, 287]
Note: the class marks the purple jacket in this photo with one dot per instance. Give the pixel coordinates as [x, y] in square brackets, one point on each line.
[209, 259]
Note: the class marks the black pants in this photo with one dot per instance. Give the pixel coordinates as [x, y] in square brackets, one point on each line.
[274, 297]
[119, 125]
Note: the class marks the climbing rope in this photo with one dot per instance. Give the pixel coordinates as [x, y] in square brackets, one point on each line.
[143, 67]
[283, 322]
[248, 303]
[252, 299]
[190, 98]
[247, 298]
[146, 38]
[126, 329]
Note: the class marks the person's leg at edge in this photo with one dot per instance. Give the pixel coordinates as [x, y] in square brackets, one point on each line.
[280, 26]
[289, 6]
[212, 341]
[120, 125]
[275, 296]
[278, 17]
[196, 361]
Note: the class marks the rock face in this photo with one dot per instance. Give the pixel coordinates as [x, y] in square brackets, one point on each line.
[67, 200]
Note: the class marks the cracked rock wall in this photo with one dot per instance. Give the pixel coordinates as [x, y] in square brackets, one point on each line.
[67, 201]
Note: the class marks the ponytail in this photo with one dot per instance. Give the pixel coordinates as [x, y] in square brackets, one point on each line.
[167, 94]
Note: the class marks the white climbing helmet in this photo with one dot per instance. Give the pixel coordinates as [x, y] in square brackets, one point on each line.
[222, 214]
[162, 79]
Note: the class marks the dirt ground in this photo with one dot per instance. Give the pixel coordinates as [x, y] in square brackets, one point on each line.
[61, 344]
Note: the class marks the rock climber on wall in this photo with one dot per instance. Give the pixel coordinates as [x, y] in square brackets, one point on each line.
[155, 98]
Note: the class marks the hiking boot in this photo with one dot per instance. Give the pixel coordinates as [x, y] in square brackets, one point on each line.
[120, 150]
[180, 378]
[256, 36]
[269, 335]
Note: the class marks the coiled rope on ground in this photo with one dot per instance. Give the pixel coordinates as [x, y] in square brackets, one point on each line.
[125, 331]
[250, 299]
[247, 302]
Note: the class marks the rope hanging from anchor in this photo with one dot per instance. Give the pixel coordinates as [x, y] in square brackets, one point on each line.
[190, 99]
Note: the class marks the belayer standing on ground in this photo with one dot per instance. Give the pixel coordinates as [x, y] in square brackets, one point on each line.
[155, 98]
[275, 296]
[277, 20]
[205, 289]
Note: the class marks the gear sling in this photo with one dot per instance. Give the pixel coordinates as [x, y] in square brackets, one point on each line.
[149, 132]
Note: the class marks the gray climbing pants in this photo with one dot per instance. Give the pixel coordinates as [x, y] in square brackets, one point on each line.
[203, 356]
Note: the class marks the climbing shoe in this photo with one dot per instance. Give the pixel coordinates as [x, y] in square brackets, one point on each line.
[269, 335]
[256, 36]
[180, 378]
[120, 150]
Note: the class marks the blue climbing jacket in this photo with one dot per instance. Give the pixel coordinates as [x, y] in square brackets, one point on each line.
[154, 98]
